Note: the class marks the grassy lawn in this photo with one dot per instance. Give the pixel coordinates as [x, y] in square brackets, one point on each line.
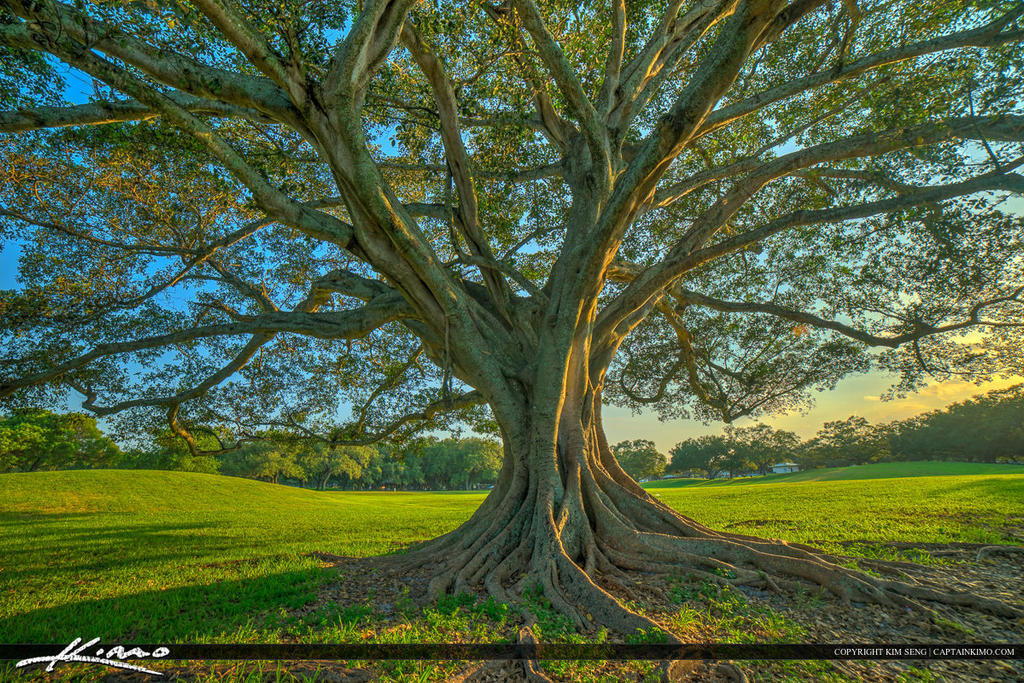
[925, 502]
[107, 550]
[168, 556]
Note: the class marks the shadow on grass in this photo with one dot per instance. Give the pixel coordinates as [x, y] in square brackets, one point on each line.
[227, 610]
[13, 517]
[68, 544]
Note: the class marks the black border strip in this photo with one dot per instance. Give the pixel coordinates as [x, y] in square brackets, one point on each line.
[536, 651]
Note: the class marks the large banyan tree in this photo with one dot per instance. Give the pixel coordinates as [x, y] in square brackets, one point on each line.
[351, 220]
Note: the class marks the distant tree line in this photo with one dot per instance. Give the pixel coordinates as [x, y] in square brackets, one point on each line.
[33, 440]
[987, 428]
[427, 463]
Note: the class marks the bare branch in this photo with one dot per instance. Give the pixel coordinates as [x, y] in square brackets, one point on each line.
[101, 113]
[1004, 128]
[990, 35]
[352, 324]
[920, 330]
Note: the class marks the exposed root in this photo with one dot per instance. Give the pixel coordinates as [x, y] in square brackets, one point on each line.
[676, 670]
[733, 672]
[577, 534]
[531, 667]
[522, 560]
[990, 550]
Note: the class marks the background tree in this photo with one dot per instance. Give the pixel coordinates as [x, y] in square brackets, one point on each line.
[269, 460]
[640, 459]
[163, 450]
[267, 211]
[459, 463]
[987, 428]
[764, 446]
[853, 441]
[32, 440]
[701, 454]
[320, 462]
[738, 453]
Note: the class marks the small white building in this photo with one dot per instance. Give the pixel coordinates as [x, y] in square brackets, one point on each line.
[785, 467]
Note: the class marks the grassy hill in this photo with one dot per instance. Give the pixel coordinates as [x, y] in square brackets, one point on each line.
[164, 556]
[882, 470]
[108, 549]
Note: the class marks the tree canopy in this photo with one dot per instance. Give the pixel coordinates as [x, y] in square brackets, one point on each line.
[351, 220]
[192, 219]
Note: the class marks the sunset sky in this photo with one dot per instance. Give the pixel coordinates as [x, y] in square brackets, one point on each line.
[856, 395]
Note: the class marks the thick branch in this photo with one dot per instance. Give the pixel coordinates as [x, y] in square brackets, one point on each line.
[236, 28]
[711, 80]
[431, 410]
[687, 254]
[372, 36]
[1010, 182]
[562, 72]
[272, 200]
[459, 163]
[662, 52]
[53, 22]
[240, 360]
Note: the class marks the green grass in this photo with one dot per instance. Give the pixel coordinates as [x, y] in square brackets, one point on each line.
[107, 550]
[882, 470]
[927, 502]
[169, 556]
